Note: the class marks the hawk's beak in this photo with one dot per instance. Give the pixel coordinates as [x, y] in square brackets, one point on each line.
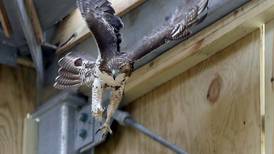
[114, 74]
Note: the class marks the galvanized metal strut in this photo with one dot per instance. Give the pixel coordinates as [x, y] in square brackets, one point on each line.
[65, 127]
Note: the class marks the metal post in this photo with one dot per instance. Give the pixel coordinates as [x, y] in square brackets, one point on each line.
[34, 47]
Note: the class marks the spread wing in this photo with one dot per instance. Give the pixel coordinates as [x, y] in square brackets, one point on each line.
[74, 72]
[105, 26]
[194, 16]
[176, 28]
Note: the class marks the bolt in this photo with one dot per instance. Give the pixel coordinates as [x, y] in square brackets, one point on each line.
[84, 117]
[83, 133]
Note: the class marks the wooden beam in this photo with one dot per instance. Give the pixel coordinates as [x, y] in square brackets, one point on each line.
[123, 6]
[263, 86]
[5, 20]
[198, 48]
[25, 62]
[268, 86]
[34, 20]
[30, 136]
[18, 99]
[75, 25]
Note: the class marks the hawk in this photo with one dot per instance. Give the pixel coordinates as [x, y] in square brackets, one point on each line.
[113, 67]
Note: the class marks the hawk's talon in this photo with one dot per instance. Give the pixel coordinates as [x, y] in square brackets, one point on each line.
[104, 129]
[175, 29]
[178, 31]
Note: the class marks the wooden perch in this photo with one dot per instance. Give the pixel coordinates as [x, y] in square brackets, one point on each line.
[75, 25]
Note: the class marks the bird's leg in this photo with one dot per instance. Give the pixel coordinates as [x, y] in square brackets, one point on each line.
[96, 105]
[116, 98]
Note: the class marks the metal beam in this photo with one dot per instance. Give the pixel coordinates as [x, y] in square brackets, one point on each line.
[8, 55]
[65, 126]
[50, 12]
[34, 47]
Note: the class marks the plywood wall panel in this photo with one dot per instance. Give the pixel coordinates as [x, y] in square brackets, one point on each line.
[212, 108]
[269, 88]
[17, 98]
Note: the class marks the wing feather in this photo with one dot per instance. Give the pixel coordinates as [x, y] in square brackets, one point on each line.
[102, 22]
[67, 63]
[67, 74]
[176, 28]
[195, 15]
[64, 81]
[74, 72]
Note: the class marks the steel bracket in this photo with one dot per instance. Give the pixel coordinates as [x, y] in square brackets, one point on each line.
[65, 125]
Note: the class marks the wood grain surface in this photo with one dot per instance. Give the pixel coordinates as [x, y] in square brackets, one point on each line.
[269, 87]
[16, 100]
[213, 108]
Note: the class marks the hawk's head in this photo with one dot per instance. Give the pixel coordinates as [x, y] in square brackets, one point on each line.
[119, 66]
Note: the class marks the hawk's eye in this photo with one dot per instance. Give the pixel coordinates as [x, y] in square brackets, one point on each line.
[121, 67]
[78, 62]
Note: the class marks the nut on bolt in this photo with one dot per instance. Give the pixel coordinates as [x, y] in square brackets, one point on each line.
[83, 117]
[83, 133]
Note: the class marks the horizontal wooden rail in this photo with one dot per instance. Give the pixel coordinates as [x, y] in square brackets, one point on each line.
[198, 48]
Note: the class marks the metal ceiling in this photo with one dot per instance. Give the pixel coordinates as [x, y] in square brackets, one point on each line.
[50, 12]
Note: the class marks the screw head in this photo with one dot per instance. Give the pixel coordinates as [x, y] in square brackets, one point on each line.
[83, 117]
[83, 133]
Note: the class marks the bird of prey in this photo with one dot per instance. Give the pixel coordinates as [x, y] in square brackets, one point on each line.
[113, 67]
